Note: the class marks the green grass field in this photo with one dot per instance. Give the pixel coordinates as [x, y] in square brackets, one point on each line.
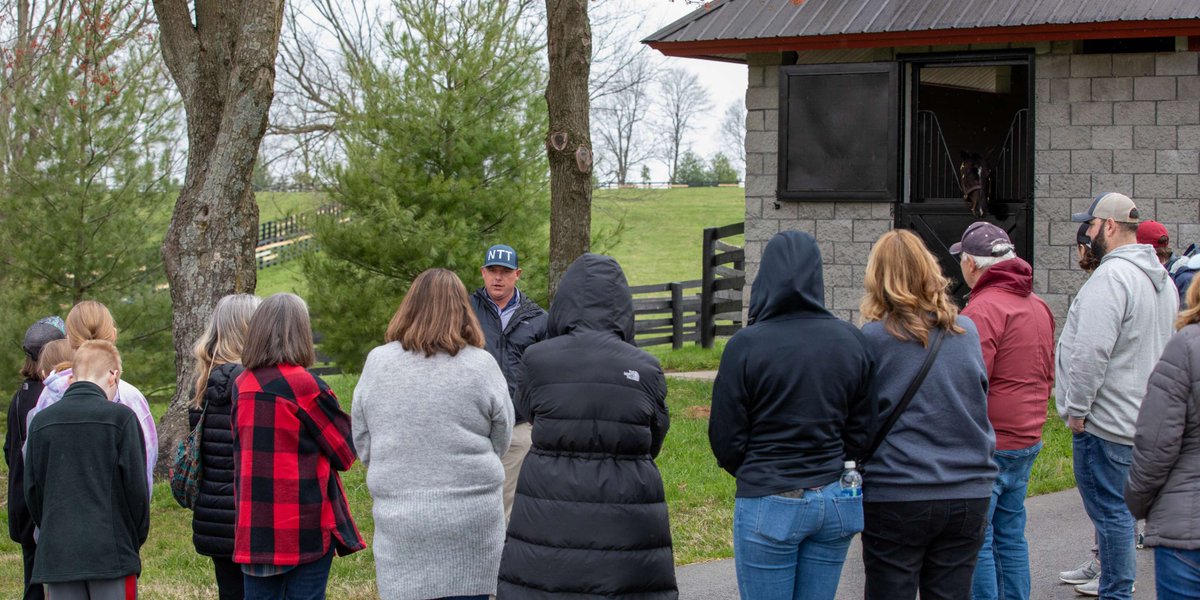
[660, 242]
[663, 229]
[277, 205]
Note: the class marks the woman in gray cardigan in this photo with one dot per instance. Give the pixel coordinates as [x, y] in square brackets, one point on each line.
[1164, 478]
[431, 418]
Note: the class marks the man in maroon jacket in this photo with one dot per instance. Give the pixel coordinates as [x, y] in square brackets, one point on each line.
[1016, 329]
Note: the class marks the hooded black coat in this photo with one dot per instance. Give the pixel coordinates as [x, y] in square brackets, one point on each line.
[793, 397]
[590, 515]
[212, 521]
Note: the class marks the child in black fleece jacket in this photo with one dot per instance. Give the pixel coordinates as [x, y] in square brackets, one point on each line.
[86, 486]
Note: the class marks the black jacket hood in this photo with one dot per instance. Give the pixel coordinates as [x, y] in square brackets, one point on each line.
[593, 295]
[789, 279]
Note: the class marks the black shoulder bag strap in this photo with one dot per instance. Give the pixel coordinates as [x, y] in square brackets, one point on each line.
[936, 345]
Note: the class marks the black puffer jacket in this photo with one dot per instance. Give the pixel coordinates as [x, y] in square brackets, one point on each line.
[20, 522]
[590, 516]
[212, 522]
[526, 327]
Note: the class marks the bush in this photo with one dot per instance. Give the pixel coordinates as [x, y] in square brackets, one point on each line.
[693, 171]
[723, 169]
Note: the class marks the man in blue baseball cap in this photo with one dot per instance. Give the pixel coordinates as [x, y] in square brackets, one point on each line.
[511, 323]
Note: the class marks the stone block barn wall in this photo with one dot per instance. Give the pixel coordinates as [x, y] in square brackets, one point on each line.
[1104, 122]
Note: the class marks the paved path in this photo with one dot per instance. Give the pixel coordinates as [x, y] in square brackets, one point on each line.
[1059, 533]
[694, 375]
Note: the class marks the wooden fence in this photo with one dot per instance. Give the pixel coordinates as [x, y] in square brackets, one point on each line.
[698, 310]
[286, 239]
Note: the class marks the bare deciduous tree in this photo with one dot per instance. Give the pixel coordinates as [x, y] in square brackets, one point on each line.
[324, 42]
[221, 55]
[682, 100]
[619, 117]
[613, 52]
[733, 132]
[33, 37]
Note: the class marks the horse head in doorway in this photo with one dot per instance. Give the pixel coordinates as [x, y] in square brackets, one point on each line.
[974, 178]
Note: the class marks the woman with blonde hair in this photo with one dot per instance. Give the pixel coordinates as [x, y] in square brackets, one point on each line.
[56, 356]
[91, 320]
[432, 417]
[289, 430]
[1162, 486]
[218, 355]
[929, 482]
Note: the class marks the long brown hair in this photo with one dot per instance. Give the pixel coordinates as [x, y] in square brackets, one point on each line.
[906, 288]
[56, 356]
[435, 316]
[279, 333]
[222, 339]
[90, 320]
[1192, 313]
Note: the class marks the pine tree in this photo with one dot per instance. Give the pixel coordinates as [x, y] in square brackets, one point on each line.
[443, 159]
[85, 178]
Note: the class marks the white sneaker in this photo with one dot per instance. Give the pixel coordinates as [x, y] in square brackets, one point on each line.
[1092, 588]
[1082, 574]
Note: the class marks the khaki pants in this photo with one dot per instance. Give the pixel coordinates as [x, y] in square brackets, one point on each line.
[522, 439]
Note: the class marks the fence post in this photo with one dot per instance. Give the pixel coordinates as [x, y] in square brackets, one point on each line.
[705, 323]
[676, 314]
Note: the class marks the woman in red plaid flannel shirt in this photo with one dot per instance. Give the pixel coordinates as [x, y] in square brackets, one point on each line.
[290, 439]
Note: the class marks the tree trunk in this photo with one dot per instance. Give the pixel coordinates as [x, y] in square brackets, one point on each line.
[224, 66]
[569, 143]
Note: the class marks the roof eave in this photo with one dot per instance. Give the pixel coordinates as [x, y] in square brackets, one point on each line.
[942, 37]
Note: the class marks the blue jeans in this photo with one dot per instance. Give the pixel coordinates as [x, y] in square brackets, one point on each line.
[305, 582]
[793, 548]
[1101, 470]
[1002, 571]
[1177, 573]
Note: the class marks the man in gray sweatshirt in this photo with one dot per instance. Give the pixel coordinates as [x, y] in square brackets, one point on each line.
[1116, 329]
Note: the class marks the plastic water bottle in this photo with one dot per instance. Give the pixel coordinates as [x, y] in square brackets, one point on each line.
[851, 480]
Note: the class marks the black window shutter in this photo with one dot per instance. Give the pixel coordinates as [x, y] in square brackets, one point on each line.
[839, 132]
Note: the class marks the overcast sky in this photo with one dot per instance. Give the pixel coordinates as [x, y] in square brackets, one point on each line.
[726, 82]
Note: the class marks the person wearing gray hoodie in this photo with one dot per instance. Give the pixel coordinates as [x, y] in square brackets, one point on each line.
[1115, 332]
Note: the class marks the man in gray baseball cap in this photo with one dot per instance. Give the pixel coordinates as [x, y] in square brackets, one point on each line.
[1116, 329]
[1110, 208]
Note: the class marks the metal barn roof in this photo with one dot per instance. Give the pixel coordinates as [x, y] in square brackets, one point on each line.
[862, 23]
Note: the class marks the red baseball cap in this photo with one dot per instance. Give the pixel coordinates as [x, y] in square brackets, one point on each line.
[1153, 233]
